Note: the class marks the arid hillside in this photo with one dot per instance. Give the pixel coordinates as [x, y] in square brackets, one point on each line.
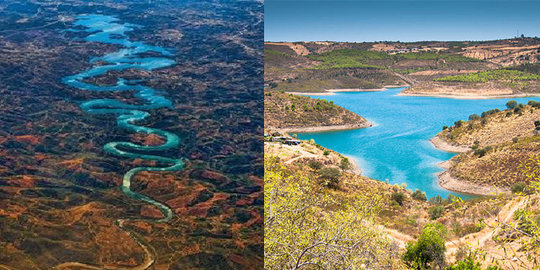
[468, 69]
[319, 185]
[502, 144]
[295, 112]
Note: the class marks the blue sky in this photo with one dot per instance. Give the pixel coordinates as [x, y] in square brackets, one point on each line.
[403, 20]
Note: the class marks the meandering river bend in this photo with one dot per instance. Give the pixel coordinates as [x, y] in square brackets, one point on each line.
[107, 29]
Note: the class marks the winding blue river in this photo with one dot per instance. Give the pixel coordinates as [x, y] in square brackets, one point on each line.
[397, 147]
[106, 29]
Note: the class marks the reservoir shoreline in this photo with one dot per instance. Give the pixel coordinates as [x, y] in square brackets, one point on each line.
[326, 128]
[331, 92]
[452, 183]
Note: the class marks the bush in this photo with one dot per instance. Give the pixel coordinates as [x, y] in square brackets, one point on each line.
[315, 165]
[428, 251]
[444, 127]
[482, 152]
[436, 200]
[398, 197]
[520, 187]
[330, 177]
[474, 116]
[534, 104]
[511, 104]
[537, 124]
[515, 139]
[470, 263]
[326, 152]
[459, 123]
[435, 212]
[419, 195]
[345, 164]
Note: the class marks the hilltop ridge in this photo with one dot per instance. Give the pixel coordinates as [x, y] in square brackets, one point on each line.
[464, 69]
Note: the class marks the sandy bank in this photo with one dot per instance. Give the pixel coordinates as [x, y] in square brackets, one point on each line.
[447, 181]
[326, 128]
[445, 146]
[467, 96]
[354, 167]
[330, 92]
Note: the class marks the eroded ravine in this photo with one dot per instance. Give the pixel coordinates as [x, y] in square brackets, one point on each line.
[107, 29]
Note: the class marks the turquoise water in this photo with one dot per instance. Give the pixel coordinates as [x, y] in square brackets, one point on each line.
[106, 29]
[396, 148]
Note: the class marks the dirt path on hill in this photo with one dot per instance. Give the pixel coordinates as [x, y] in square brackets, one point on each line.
[303, 154]
[401, 238]
[480, 238]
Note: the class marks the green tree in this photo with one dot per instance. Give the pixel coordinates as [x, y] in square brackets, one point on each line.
[511, 104]
[330, 177]
[428, 251]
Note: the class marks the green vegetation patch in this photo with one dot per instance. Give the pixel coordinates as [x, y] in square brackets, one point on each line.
[348, 58]
[491, 75]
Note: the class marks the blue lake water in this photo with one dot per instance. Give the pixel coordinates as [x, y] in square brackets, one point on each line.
[397, 147]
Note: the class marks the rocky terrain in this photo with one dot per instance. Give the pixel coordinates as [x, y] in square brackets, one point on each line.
[59, 190]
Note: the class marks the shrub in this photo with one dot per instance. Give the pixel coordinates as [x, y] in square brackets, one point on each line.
[482, 152]
[330, 177]
[511, 104]
[428, 251]
[345, 164]
[470, 263]
[435, 212]
[315, 165]
[534, 104]
[444, 127]
[419, 195]
[436, 200]
[515, 139]
[459, 123]
[520, 187]
[326, 152]
[474, 116]
[537, 124]
[398, 197]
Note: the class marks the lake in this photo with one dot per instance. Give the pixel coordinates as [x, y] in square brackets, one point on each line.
[397, 147]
